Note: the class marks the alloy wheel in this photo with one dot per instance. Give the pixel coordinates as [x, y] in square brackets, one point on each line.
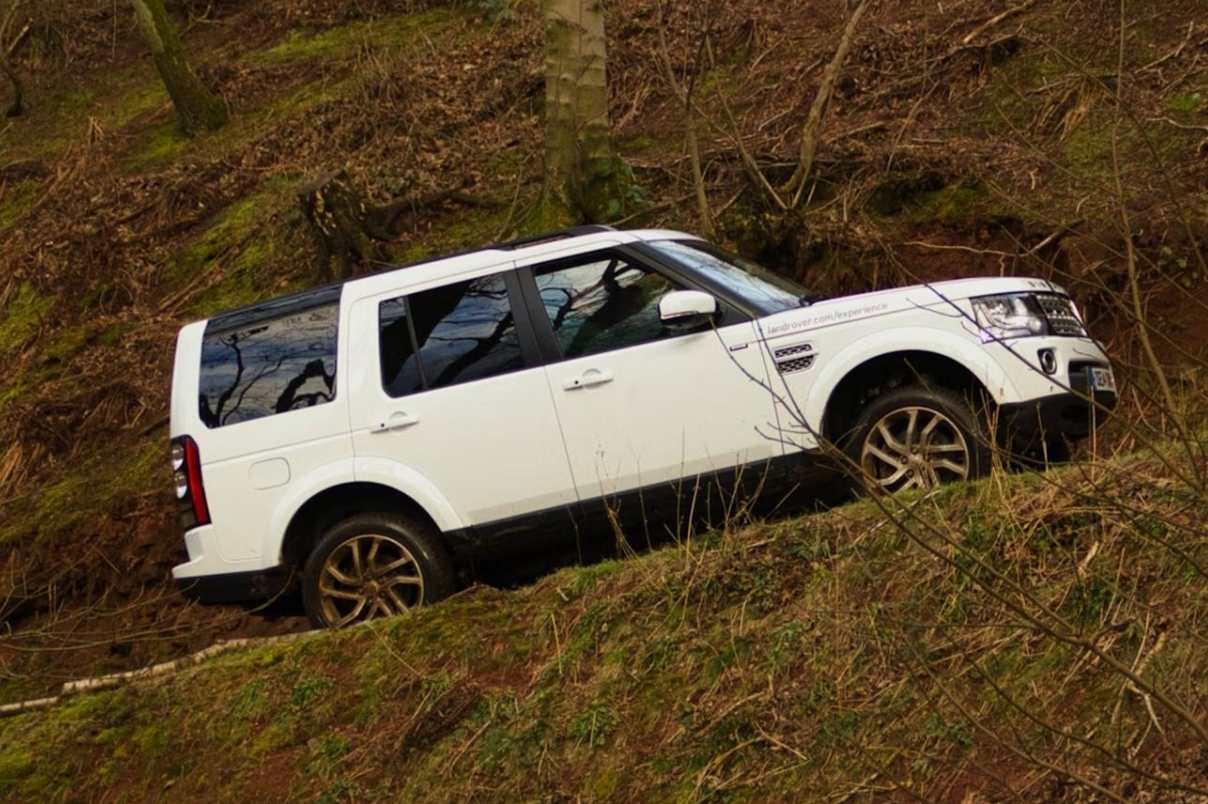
[369, 576]
[914, 447]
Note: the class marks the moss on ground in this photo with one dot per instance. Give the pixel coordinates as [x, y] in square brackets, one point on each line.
[244, 246]
[21, 318]
[342, 41]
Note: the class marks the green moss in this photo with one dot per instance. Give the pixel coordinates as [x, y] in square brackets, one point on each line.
[1187, 103]
[239, 243]
[152, 739]
[164, 142]
[1088, 150]
[65, 117]
[953, 202]
[67, 342]
[89, 486]
[22, 317]
[273, 737]
[469, 232]
[17, 763]
[115, 333]
[146, 94]
[330, 43]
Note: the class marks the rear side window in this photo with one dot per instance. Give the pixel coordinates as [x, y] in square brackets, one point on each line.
[269, 366]
[446, 336]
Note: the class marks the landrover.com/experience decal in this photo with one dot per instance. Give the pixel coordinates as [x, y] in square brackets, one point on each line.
[827, 318]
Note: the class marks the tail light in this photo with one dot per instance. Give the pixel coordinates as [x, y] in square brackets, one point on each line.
[190, 493]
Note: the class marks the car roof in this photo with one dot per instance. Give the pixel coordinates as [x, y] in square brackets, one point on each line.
[437, 266]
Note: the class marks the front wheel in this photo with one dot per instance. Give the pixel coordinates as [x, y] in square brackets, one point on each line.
[915, 437]
[374, 565]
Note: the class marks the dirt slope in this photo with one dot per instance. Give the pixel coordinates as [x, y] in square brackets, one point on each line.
[976, 136]
[1034, 639]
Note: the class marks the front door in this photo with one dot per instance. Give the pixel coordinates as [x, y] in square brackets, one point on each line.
[645, 410]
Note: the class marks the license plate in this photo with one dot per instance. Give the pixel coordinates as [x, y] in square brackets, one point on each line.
[1102, 379]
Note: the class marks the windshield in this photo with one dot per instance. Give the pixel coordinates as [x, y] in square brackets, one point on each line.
[755, 285]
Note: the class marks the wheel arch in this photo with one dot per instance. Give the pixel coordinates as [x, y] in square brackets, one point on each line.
[337, 503]
[878, 374]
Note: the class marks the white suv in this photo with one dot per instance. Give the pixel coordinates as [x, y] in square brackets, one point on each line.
[372, 439]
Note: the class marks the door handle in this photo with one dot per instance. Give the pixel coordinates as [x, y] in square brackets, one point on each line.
[588, 379]
[398, 420]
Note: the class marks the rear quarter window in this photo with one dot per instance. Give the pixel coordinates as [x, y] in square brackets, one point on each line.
[268, 367]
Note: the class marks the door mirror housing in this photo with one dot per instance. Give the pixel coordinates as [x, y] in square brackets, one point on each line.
[687, 309]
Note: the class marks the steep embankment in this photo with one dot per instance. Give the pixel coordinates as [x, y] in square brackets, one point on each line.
[1037, 639]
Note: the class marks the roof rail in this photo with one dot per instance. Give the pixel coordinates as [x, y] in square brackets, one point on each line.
[549, 237]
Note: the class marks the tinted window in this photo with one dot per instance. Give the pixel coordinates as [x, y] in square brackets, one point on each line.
[605, 304]
[757, 286]
[453, 334]
[269, 367]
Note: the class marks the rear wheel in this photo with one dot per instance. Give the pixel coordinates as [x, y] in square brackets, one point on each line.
[915, 437]
[374, 565]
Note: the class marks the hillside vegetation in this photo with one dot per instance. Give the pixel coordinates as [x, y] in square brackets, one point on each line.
[1034, 636]
[1038, 639]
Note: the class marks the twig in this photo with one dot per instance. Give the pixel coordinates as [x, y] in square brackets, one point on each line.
[995, 20]
[795, 187]
[1172, 54]
[970, 249]
[1202, 144]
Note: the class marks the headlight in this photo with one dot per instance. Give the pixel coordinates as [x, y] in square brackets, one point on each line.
[1015, 316]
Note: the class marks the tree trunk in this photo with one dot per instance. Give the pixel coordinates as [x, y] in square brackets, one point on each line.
[584, 180]
[199, 109]
[345, 227]
[336, 214]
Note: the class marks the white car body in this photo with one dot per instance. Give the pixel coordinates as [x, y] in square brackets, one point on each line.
[553, 438]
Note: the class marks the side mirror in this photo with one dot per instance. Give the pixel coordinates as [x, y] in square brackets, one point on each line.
[687, 309]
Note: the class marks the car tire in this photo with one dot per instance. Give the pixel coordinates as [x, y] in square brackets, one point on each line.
[917, 437]
[374, 565]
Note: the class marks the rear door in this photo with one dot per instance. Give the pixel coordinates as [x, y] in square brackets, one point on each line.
[455, 394]
[644, 409]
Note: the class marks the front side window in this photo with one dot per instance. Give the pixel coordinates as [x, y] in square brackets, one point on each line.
[604, 304]
[449, 335]
[269, 367]
[755, 285]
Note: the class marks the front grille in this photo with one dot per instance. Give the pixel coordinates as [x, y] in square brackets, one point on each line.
[1062, 317]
